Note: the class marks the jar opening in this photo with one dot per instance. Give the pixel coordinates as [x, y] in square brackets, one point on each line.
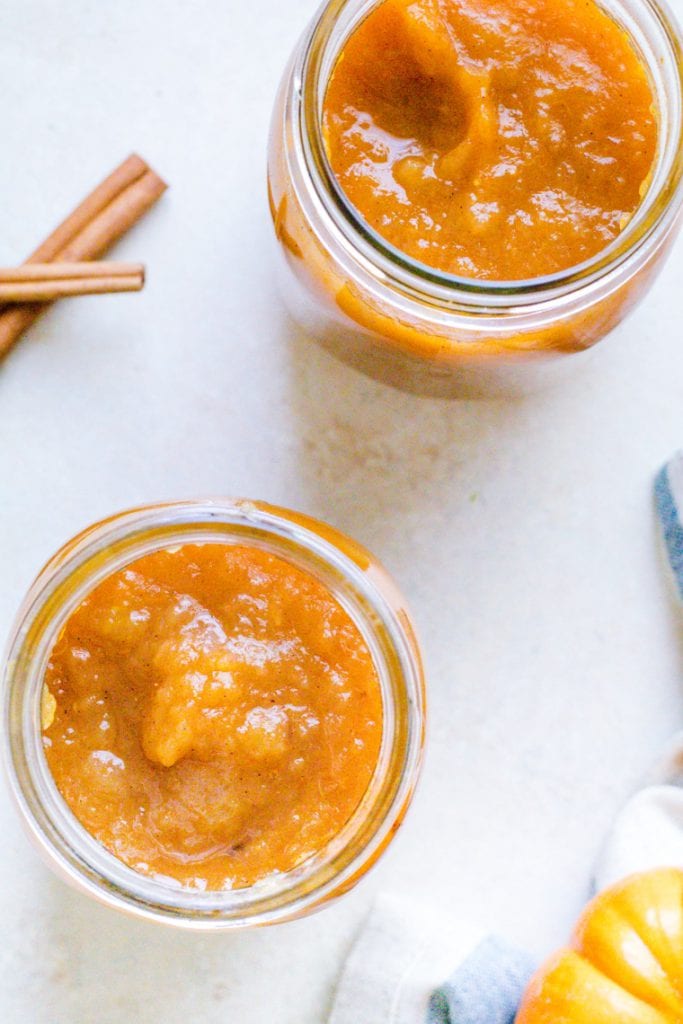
[657, 39]
[109, 547]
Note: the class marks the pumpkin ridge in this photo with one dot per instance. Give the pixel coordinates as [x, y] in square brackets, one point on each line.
[611, 953]
[636, 924]
[664, 1013]
[528, 1009]
[623, 963]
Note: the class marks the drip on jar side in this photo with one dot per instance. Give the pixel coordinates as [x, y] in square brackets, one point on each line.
[211, 714]
[492, 139]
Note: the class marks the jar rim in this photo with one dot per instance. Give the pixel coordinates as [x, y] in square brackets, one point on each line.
[364, 590]
[389, 264]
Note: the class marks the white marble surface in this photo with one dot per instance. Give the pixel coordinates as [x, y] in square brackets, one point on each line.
[523, 532]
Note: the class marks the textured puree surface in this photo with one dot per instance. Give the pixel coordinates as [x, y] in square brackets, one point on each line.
[493, 139]
[212, 714]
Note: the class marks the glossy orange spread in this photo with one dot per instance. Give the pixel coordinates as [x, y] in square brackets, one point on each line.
[212, 715]
[493, 139]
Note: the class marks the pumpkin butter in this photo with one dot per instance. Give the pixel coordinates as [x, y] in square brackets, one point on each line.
[492, 139]
[212, 715]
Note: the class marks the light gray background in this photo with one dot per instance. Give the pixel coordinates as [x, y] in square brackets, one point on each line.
[522, 532]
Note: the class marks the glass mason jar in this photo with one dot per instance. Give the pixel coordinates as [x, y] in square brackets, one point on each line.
[368, 595]
[431, 332]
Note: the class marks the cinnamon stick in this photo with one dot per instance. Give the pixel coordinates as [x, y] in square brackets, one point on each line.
[22, 292]
[101, 219]
[43, 282]
[65, 270]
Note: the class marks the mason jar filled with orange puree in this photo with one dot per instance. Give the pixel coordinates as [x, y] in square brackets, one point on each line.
[465, 193]
[214, 713]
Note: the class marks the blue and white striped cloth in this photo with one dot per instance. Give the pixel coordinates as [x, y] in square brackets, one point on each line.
[395, 972]
[649, 830]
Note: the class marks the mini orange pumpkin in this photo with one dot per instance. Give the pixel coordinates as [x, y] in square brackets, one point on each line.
[624, 964]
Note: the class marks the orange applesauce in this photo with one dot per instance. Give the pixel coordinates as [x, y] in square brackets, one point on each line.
[211, 715]
[492, 139]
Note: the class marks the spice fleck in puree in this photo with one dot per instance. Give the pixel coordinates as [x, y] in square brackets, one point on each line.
[211, 715]
[493, 139]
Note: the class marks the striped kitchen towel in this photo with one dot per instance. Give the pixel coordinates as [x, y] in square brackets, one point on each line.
[648, 832]
[395, 972]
